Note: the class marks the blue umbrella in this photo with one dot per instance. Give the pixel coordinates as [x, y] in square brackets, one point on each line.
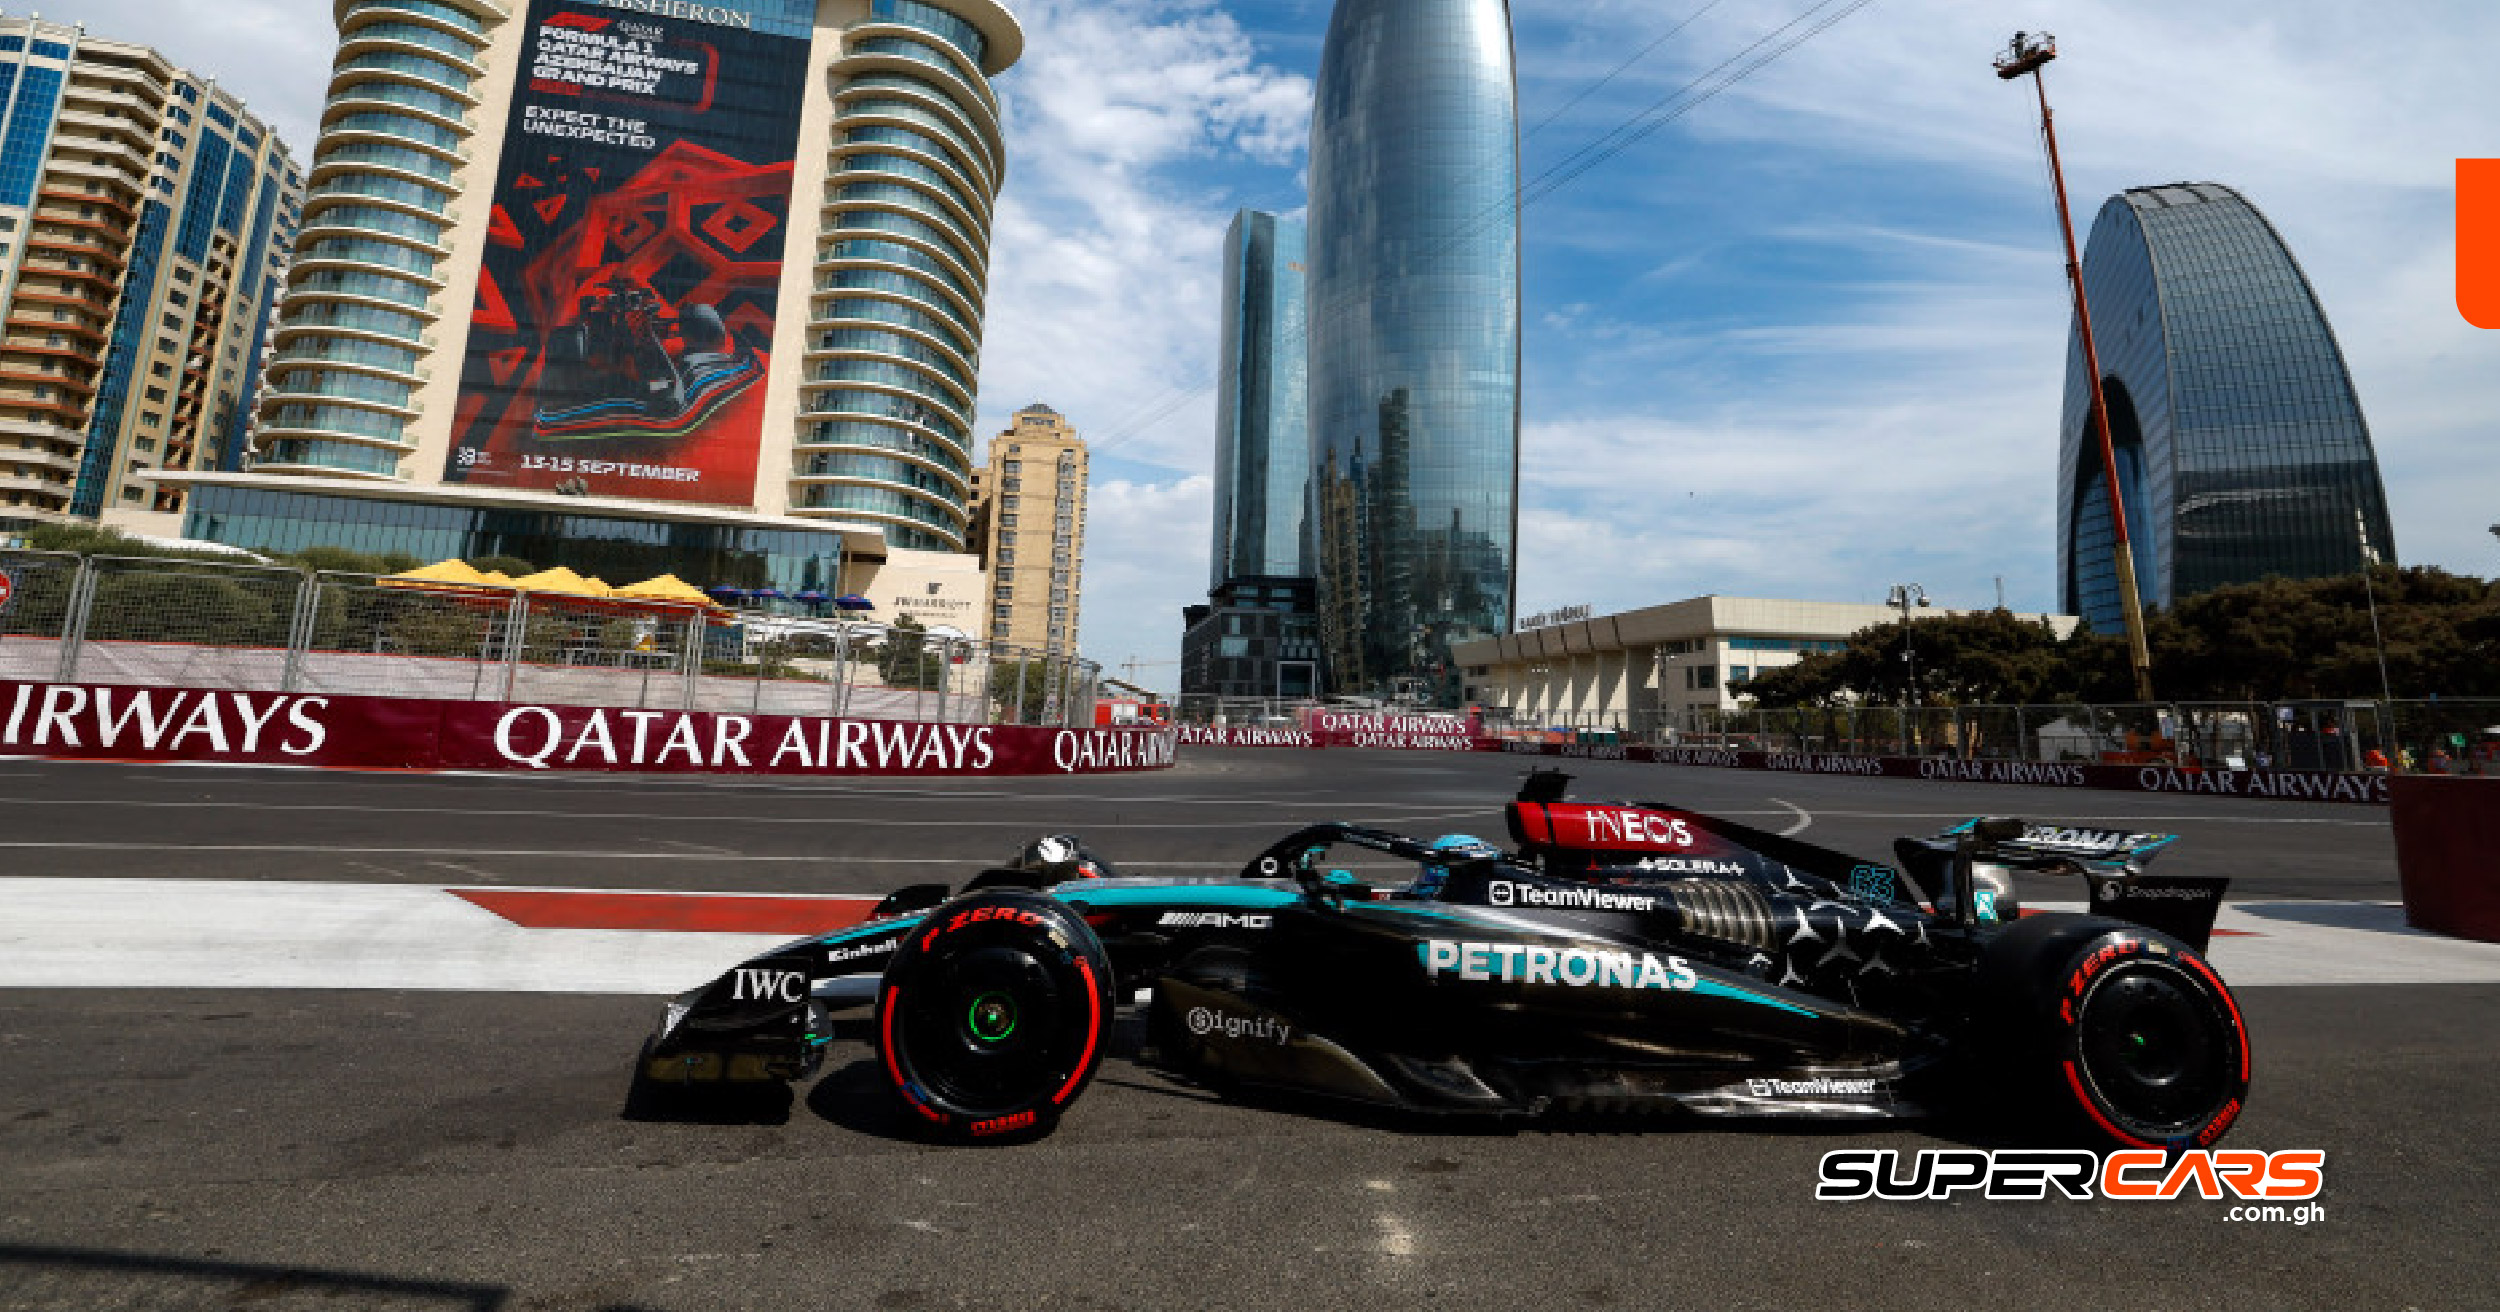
[768, 593]
[724, 591]
[812, 597]
[854, 601]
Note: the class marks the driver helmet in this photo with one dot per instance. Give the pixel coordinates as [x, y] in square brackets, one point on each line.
[1430, 877]
[1060, 856]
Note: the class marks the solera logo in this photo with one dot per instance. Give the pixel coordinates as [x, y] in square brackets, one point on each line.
[2478, 241]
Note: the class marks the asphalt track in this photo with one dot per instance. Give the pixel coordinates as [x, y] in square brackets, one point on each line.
[216, 1147]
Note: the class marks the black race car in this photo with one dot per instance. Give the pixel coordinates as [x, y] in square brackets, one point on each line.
[1623, 957]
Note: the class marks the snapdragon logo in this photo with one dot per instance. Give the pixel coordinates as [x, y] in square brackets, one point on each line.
[1519, 963]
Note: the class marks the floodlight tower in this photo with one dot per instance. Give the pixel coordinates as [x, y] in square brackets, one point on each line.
[2028, 52]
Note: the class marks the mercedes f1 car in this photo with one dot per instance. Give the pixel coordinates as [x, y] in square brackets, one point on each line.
[611, 372]
[1622, 957]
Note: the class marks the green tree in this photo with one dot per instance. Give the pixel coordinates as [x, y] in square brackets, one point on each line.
[907, 660]
[1986, 658]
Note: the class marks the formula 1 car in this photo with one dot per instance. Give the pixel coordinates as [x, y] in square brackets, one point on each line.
[1624, 957]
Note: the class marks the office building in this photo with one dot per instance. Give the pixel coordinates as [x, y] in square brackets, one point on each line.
[1262, 444]
[702, 280]
[1640, 668]
[1414, 340]
[1029, 518]
[1257, 635]
[145, 217]
[2240, 446]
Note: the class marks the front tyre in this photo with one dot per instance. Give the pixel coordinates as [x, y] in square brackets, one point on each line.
[2129, 1035]
[992, 1015]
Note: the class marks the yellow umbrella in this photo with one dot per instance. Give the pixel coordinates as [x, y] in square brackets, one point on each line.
[561, 580]
[442, 573]
[667, 587]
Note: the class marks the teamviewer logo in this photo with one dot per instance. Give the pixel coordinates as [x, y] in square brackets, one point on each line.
[1499, 893]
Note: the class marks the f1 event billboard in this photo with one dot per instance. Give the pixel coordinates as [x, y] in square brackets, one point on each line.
[625, 307]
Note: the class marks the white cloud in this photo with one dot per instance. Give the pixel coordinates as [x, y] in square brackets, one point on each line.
[1145, 558]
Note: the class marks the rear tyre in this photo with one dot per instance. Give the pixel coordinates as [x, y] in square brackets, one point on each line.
[2126, 1036]
[993, 1014]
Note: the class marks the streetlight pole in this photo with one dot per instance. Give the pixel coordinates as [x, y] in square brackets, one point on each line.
[1904, 595]
[2027, 55]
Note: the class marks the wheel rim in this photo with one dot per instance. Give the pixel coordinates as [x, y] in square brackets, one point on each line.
[2154, 1050]
[977, 1037]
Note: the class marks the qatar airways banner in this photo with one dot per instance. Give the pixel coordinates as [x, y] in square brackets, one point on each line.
[624, 310]
[1406, 733]
[2284, 785]
[108, 722]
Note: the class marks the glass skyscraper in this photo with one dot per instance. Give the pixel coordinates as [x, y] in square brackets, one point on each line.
[1262, 438]
[2240, 446]
[1414, 338]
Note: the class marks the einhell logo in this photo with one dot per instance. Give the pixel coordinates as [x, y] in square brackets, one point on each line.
[2478, 241]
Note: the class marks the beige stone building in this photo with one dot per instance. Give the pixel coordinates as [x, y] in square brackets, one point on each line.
[1029, 526]
[1651, 665]
[145, 218]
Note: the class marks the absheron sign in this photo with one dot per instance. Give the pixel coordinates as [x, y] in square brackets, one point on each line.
[108, 722]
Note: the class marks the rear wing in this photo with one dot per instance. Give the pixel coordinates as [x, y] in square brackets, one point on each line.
[2111, 861]
[2050, 843]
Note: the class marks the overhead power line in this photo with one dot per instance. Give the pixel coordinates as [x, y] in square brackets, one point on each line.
[1813, 21]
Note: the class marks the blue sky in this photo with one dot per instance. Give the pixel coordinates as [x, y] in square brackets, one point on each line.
[1804, 341]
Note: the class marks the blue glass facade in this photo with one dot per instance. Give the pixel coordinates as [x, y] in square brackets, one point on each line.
[1262, 405]
[130, 330]
[613, 547]
[1414, 338]
[30, 126]
[2240, 446]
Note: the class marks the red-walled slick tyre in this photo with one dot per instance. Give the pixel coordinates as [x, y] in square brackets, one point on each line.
[992, 1016]
[2128, 1036]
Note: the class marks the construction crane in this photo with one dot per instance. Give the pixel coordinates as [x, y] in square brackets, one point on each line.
[2028, 53]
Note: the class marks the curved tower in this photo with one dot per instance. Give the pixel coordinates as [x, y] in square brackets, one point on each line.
[366, 288]
[723, 255]
[894, 327]
[1414, 338]
[2240, 445]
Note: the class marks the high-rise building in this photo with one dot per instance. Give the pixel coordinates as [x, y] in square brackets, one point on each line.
[2240, 447]
[1030, 520]
[1257, 636]
[144, 223]
[1262, 418]
[1414, 339]
[698, 285]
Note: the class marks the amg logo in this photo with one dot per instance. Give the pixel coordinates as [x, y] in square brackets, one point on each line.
[1518, 963]
[749, 983]
[1212, 920]
[1503, 893]
[1818, 1087]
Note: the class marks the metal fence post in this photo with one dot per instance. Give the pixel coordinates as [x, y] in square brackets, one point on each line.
[299, 630]
[82, 588]
[841, 670]
[516, 629]
[698, 634]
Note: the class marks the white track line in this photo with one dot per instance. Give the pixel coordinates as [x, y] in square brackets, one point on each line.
[1805, 818]
[180, 933]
